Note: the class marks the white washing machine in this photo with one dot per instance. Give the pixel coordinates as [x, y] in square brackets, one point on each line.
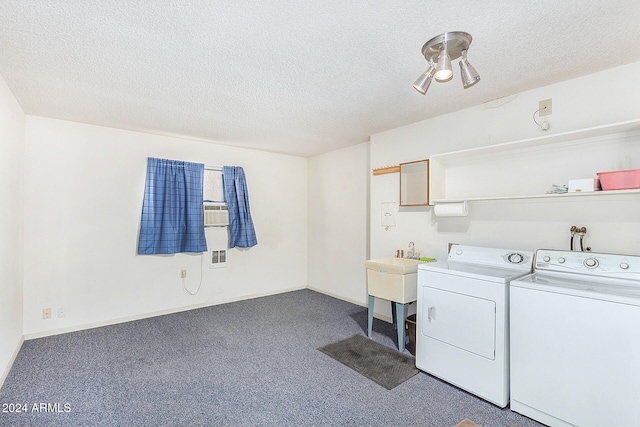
[575, 347]
[462, 332]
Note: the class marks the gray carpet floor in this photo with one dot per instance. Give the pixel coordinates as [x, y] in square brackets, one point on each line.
[248, 363]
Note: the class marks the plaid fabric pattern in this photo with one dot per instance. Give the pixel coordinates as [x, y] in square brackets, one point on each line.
[241, 231]
[172, 218]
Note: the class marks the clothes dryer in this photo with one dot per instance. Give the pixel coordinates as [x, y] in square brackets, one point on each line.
[462, 319]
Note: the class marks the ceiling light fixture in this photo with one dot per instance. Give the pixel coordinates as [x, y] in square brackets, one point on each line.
[441, 50]
[444, 73]
[423, 82]
[469, 74]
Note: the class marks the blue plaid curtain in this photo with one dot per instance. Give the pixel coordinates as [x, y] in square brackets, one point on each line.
[172, 219]
[241, 231]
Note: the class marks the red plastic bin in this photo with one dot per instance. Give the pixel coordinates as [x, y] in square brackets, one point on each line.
[620, 180]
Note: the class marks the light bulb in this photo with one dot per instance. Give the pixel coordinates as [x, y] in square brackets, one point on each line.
[443, 70]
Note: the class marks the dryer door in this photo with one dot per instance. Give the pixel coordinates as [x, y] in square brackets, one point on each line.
[463, 321]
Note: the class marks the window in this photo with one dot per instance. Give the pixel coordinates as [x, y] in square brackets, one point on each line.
[212, 190]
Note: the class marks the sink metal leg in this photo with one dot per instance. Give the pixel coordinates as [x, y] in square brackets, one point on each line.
[401, 311]
[394, 315]
[372, 300]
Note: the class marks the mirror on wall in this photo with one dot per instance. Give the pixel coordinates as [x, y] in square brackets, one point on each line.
[414, 183]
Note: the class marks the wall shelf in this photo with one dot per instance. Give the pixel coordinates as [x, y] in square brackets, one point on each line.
[526, 169]
[386, 169]
[542, 196]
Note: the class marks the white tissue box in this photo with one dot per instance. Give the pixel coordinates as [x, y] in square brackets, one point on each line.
[584, 185]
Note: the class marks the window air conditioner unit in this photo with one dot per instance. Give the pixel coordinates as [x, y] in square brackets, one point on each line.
[216, 214]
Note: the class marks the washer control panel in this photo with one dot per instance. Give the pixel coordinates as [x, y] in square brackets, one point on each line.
[596, 264]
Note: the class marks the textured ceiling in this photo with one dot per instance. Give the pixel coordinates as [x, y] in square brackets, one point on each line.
[291, 76]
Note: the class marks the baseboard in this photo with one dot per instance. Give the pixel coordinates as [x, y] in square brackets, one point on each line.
[7, 369]
[86, 326]
[376, 315]
[340, 297]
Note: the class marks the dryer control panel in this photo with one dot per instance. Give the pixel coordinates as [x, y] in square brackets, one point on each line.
[491, 257]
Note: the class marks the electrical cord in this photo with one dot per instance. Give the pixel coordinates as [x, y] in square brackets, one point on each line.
[184, 285]
[544, 125]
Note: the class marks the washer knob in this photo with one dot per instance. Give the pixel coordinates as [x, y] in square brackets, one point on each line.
[459, 252]
[624, 266]
[591, 262]
[561, 260]
[546, 259]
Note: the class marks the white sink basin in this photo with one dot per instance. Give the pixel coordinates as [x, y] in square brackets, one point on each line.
[393, 279]
[394, 265]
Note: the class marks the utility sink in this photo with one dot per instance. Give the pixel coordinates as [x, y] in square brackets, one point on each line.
[394, 265]
[393, 279]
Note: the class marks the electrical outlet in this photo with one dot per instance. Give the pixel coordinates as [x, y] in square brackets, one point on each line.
[46, 313]
[183, 274]
[545, 107]
[61, 312]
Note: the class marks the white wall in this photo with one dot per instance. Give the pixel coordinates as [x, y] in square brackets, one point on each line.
[83, 192]
[593, 100]
[83, 195]
[337, 222]
[11, 225]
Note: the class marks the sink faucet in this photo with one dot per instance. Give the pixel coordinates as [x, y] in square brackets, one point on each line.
[411, 253]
